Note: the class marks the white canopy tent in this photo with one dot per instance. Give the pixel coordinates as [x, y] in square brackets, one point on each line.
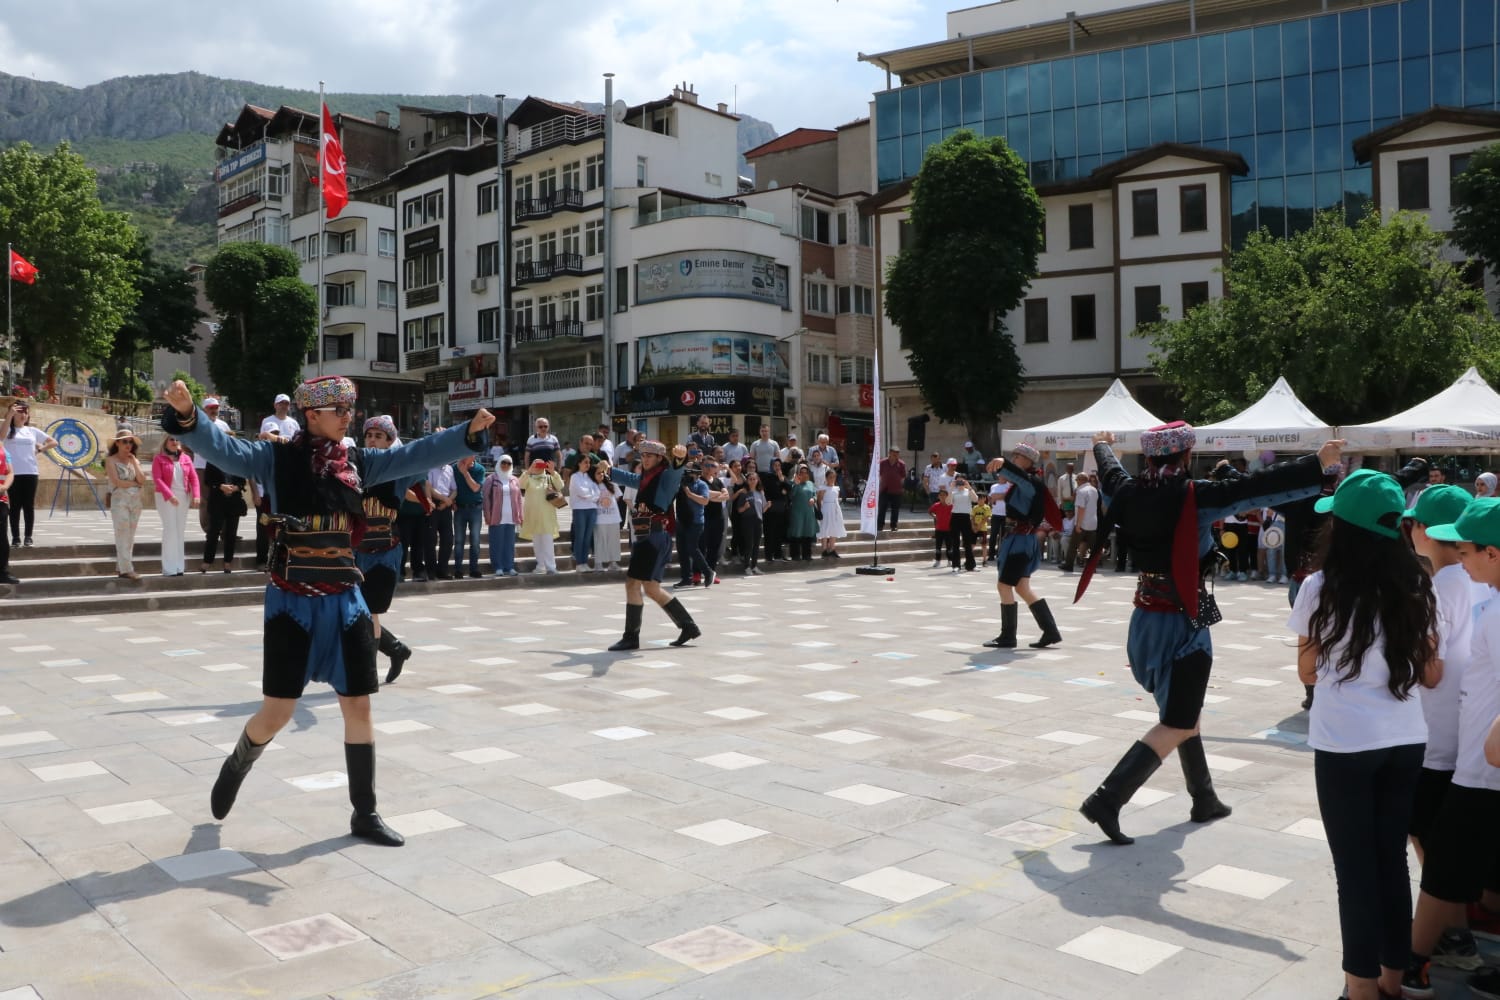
[1465, 417]
[1278, 421]
[1115, 411]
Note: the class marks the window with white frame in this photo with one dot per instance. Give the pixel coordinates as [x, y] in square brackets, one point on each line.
[385, 295]
[569, 305]
[422, 209]
[571, 241]
[340, 293]
[570, 175]
[593, 302]
[843, 228]
[816, 225]
[523, 311]
[424, 333]
[640, 171]
[523, 250]
[593, 172]
[546, 246]
[488, 197]
[489, 325]
[546, 309]
[817, 297]
[819, 368]
[546, 182]
[867, 230]
[340, 242]
[387, 243]
[423, 270]
[593, 237]
[523, 188]
[864, 300]
[856, 371]
[487, 260]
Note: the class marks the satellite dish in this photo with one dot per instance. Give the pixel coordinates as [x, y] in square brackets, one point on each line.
[617, 111]
[772, 185]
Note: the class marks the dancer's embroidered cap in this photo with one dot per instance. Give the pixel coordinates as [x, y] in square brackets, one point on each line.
[384, 424]
[1026, 451]
[1370, 500]
[1440, 505]
[330, 390]
[1169, 439]
[652, 448]
[1479, 523]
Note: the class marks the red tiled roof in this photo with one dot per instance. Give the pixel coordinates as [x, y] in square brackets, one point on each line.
[795, 139]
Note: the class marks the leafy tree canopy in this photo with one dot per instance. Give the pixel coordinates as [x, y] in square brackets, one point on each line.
[165, 316]
[1364, 321]
[976, 230]
[270, 322]
[1476, 206]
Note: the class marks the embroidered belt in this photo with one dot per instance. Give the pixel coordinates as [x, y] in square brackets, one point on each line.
[379, 536]
[312, 561]
[1155, 592]
[1021, 527]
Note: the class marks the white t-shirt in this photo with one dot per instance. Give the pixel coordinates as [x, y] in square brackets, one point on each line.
[285, 426]
[583, 491]
[1359, 714]
[199, 462]
[1086, 503]
[998, 493]
[935, 477]
[21, 450]
[963, 501]
[1456, 597]
[1479, 695]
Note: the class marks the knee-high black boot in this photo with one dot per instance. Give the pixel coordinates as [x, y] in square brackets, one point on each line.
[683, 619]
[366, 823]
[1009, 613]
[1103, 807]
[632, 637]
[1044, 621]
[1206, 804]
[244, 755]
[398, 651]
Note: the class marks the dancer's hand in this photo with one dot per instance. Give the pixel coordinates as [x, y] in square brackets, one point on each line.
[1331, 453]
[180, 398]
[1104, 437]
[994, 465]
[481, 421]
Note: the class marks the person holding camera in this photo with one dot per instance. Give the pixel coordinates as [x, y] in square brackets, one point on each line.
[961, 525]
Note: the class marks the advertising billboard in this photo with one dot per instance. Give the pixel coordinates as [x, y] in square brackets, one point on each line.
[721, 274]
[701, 354]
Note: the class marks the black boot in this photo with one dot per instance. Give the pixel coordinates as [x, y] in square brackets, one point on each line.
[246, 752]
[366, 823]
[1007, 637]
[1103, 807]
[683, 619]
[1044, 621]
[398, 651]
[1206, 804]
[1307, 690]
[632, 637]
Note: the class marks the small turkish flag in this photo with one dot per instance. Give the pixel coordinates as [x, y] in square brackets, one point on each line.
[335, 183]
[21, 269]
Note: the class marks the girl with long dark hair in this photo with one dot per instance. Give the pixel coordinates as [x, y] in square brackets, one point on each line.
[1366, 624]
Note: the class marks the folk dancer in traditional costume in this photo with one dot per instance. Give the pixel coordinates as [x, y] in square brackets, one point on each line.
[318, 627]
[1165, 517]
[1029, 504]
[379, 553]
[656, 487]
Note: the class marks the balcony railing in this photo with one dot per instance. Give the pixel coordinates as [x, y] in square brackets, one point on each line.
[714, 210]
[425, 295]
[537, 333]
[547, 268]
[561, 200]
[564, 128]
[556, 380]
[424, 358]
[567, 263]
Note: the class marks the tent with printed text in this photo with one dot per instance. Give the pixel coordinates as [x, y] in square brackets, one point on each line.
[1465, 417]
[1278, 421]
[1116, 411]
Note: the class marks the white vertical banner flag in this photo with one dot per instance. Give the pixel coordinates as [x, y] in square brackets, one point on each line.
[869, 504]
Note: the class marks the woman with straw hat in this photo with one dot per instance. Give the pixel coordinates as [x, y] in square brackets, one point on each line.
[126, 477]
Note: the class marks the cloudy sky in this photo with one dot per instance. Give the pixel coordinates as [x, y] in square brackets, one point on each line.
[793, 61]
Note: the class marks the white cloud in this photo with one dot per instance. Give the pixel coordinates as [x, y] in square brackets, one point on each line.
[793, 61]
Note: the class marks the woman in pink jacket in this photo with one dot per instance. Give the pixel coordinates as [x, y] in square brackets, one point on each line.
[176, 484]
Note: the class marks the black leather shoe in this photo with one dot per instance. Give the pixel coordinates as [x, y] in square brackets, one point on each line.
[372, 828]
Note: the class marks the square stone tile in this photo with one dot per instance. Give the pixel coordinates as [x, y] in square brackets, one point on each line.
[622, 733]
[710, 949]
[822, 667]
[564, 675]
[733, 760]
[397, 726]
[831, 696]
[593, 788]
[320, 782]
[484, 755]
[205, 864]
[1021, 697]
[735, 713]
[641, 694]
[139, 696]
[1148, 797]
[455, 689]
[1029, 834]
[124, 812]
[1260, 682]
[548, 876]
[741, 654]
[1133, 953]
[1308, 827]
[736, 679]
[492, 661]
[98, 678]
[914, 681]
[979, 762]
[529, 708]
[848, 737]
[307, 936]
[21, 993]
[1067, 737]
[427, 821]
[722, 832]
[940, 715]
[1227, 764]
[895, 884]
[1137, 715]
[1240, 881]
[62, 772]
[866, 795]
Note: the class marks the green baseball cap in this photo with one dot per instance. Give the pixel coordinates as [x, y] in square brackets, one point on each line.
[1367, 499]
[1439, 505]
[1479, 524]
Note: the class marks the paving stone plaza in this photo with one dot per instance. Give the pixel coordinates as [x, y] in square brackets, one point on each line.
[838, 794]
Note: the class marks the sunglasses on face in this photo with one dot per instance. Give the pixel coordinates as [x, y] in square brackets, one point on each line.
[337, 411]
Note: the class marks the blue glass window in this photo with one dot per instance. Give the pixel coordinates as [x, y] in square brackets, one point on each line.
[888, 160]
[1163, 119]
[1088, 129]
[1185, 64]
[1239, 63]
[1328, 148]
[1242, 210]
[911, 153]
[1385, 82]
[994, 93]
[994, 127]
[1245, 146]
[1330, 190]
[1269, 154]
[1159, 56]
[1299, 152]
[1188, 128]
[1325, 42]
[1137, 73]
[973, 102]
[1294, 47]
[1447, 79]
[1416, 86]
[1111, 83]
[1479, 77]
[1242, 109]
[1211, 60]
[1327, 106]
[1086, 164]
[1356, 94]
[1356, 193]
[951, 102]
[1268, 52]
[1086, 78]
[911, 111]
[888, 115]
[1271, 198]
[932, 109]
[1268, 106]
[1447, 33]
[1354, 37]
[1015, 90]
[1018, 135]
[1299, 202]
[1062, 83]
[1414, 36]
[1297, 101]
[1041, 136]
[1064, 139]
[1479, 22]
[1215, 122]
[1041, 87]
[1112, 128]
[1385, 34]
[1137, 124]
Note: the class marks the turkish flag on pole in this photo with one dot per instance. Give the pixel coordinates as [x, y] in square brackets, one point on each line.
[21, 269]
[331, 167]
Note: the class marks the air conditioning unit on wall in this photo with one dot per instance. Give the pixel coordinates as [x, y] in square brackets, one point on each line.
[791, 404]
[478, 285]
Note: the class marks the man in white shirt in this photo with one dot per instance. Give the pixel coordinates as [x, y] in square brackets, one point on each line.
[603, 443]
[734, 450]
[828, 453]
[442, 489]
[934, 478]
[764, 450]
[786, 453]
[280, 424]
[1085, 522]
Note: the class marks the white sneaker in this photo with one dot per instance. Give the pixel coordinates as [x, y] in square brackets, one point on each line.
[936, 563]
[585, 568]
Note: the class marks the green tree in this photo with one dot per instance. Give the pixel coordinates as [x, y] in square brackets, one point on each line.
[165, 316]
[50, 212]
[270, 322]
[194, 386]
[976, 230]
[1476, 207]
[1364, 321]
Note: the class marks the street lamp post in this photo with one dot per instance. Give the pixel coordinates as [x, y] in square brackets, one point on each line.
[771, 379]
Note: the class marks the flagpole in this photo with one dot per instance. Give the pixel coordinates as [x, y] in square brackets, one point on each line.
[322, 240]
[869, 501]
[10, 326]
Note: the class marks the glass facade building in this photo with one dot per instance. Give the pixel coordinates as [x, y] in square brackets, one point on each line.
[1290, 97]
